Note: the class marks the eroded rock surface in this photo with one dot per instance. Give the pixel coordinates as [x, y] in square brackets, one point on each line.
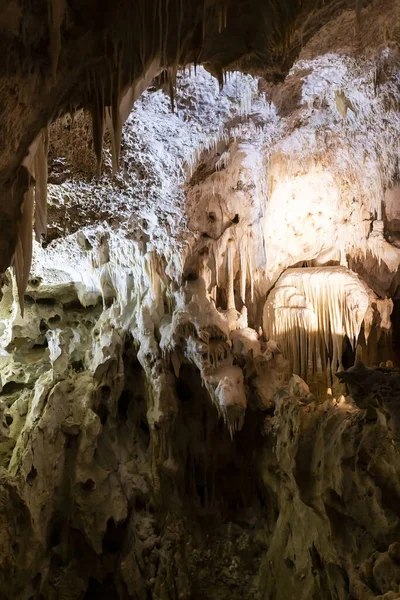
[171, 422]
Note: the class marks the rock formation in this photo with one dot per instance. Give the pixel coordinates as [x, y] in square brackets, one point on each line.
[199, 349]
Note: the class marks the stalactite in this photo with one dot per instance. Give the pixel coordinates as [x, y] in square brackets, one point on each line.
[222, 16]
[172, 71]
[143, 38]
[36, 163]
[204, 18]
[160, 32]
[219, 74]
[113, 114]
[117, 131]
[166, 36]
[229, 396]
[56, 10]
[131, 94]
[223, 161]
[41, 174]
[230, 276]
[23, 253]
[216, 266]
[358, 11]
[243, 268]
[250, 269]
[97, 113]
[178, 58]
[110, 127]
[310, 311]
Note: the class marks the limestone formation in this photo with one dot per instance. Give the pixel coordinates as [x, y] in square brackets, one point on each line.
[199, 325]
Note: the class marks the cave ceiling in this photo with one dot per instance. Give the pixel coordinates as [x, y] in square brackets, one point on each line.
[59, 56]
[199, 344]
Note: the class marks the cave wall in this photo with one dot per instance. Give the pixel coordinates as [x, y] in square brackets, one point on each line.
[65, 55]
[167, 431]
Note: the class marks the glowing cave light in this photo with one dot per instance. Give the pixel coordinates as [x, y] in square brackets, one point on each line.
[310, 311]
[300, 219]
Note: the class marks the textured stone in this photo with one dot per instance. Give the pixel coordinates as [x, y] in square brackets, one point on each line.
[154, 443]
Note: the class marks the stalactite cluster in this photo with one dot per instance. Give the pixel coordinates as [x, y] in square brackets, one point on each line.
[199, 348]
[310, 311]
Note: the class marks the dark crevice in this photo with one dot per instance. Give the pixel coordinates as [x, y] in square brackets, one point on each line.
[114, 537]
[31, 475]
[104, 590]
[73, 305]
[102, 412]
[123, 405]
[13, 386]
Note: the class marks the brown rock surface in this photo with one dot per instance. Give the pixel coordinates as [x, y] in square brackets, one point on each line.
[156, 441]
